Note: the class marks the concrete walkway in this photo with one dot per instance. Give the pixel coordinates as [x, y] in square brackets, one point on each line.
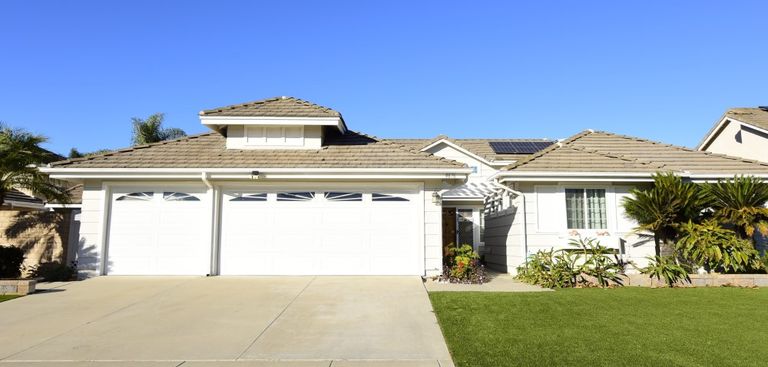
[239, 321]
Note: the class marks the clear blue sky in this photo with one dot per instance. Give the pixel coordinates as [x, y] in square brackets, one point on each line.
[78, 71]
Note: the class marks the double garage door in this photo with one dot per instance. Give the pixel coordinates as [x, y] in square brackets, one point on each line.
[269, 231]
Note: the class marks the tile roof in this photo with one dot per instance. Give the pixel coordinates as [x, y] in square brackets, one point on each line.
[340, 150]
[599, 151]
[480, 147]
[273, 107]
[754, 116]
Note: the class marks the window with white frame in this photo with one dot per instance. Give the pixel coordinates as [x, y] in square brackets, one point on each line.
[586, 208]
[274, 135]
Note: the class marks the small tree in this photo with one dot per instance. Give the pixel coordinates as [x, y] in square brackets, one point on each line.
[740, 202]
[150, 130]
[662, 207]
[20, 152]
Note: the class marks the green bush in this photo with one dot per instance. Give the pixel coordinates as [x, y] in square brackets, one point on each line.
[55, 272]
[716, 248]
[665, 267]
[11, 260]
[586, 263]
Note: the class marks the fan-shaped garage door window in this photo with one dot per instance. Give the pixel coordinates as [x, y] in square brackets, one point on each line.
[250, 197]
[344, 196]
[385, 197]
[136, 196]
[295, 196]
[178, 196]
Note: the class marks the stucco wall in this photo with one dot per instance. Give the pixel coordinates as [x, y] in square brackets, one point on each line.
[44, 235]
[546, 226]
[741, 141]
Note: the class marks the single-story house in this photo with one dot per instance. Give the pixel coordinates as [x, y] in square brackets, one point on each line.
[281, 186]
[740, 132]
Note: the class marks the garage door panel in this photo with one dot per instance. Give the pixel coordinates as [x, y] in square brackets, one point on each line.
[343, 233]
[161, 230]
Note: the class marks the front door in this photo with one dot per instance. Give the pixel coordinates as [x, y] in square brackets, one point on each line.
[449, 227]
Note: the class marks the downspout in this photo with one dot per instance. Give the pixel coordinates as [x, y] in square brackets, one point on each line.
[214, 265]
[524, 237]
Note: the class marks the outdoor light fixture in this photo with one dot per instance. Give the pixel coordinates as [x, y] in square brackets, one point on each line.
[436, 198]
[254, 175]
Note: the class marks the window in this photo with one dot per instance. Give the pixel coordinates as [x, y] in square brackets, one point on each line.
[250, 197]
[586, 208]
[137, 196]
[465, 227]
[343, 196]
[295, 196]
[178, 196]
[385, 197]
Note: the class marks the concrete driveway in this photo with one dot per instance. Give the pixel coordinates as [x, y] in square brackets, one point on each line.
[243, 321]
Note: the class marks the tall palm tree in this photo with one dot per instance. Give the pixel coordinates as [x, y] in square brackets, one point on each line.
[740, 202]
[662, 207]
[20, 152]
[150, 130]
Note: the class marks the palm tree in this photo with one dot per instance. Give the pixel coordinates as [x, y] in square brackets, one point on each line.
[20, 152]
[740, 202]
[150, 130]
[661, 208]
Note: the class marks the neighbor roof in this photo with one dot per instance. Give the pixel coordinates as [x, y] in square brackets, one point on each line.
[17, 196]
[599, 151]
[273, 107]
[481, 147]
[340, 150]
[757, 117]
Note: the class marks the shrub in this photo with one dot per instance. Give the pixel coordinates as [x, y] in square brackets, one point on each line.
[462, 265]
[11, 260]
[55, 272]
[716, 248]
[665, 267]
[586, 263]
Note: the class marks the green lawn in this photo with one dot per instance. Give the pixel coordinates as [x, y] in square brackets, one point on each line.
[7, 297]
[606, 327]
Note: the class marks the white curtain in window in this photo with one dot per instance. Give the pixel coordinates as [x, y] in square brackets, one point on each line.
[574, 206]
[596, 209]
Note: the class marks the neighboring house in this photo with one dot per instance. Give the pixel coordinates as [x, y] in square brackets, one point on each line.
[575, 189]
[741, 132]
[463, 207]
[282, 187]
[47, 232]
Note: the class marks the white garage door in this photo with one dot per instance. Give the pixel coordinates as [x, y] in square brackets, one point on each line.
[159, 231]
[329, 232]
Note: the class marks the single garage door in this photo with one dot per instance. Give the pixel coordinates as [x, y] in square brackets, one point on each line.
[328, 232]
[159, 231]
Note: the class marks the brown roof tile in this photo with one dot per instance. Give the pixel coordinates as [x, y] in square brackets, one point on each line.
[599, 151]
[274, 107]
[340, 150]
[480, 147]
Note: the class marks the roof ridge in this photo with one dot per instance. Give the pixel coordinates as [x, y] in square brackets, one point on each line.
[413, 151]
[684, 149]
[130, 149]
[271, 99]
[555, 146]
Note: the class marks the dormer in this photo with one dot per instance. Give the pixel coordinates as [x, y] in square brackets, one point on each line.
[274, 123]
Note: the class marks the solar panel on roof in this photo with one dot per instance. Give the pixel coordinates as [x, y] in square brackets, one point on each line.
[518, 147]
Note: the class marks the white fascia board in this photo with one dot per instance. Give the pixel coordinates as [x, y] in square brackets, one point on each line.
[64, 206]
[264, 173]
[454, 146]
[713, 177]
[575, 176]
[214, 122]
